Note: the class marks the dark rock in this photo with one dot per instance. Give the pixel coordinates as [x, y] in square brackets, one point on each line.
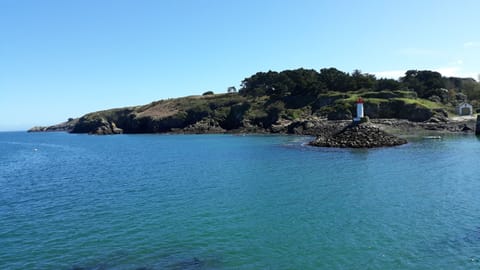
[341, 114]
[477, 126]
[397, 109]
[416, 113]
[89, 124]
[440, 113]
[204, 126]
[439, 116]
[465, 128]
[235, 117]
[107, 128]
[281, 126]
[435, 98]
[362, 135]
[325, 100]
[434, 120]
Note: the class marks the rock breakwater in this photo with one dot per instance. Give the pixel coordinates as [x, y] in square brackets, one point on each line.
[358, 135]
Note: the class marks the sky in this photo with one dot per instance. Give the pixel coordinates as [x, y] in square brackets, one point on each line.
[62, 59]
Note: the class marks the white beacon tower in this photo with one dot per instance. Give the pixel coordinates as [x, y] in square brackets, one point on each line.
[359, 110]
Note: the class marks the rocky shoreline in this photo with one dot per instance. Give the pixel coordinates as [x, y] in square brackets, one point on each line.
[314, 126]
[328, 133]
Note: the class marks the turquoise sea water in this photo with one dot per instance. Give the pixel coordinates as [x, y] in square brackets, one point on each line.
[236, 202]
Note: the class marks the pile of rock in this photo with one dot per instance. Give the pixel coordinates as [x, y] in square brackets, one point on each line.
[358, 135]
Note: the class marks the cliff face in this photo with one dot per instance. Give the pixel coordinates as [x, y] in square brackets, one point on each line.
[236, 113]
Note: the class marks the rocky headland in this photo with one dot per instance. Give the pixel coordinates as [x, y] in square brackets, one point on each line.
[233, 113]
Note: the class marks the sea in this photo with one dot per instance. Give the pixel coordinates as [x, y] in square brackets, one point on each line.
[144, 202]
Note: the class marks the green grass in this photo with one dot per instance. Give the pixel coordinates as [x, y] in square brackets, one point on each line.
[407, 97]
[406, 94]
[354, 97]
[375, 100]
[422, 102]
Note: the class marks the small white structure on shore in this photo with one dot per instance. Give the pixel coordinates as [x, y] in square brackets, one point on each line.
[359, 110]
[464, 109]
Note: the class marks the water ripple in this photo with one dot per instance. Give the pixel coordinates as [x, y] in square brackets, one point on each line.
[230, 202]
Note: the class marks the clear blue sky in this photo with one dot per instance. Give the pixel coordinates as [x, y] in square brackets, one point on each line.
[61, 59]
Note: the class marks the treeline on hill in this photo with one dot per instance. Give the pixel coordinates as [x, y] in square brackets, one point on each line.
[296, 87]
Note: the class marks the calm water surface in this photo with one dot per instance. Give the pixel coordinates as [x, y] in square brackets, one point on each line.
[236, 202]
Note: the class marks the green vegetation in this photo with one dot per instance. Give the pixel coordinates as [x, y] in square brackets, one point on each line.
[207, 93]
[422, 102]
[269, 97]
[293, 86]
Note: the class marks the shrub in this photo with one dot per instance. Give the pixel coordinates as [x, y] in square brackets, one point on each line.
[208, 93]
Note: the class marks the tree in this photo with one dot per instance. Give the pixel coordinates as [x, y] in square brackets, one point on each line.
[336, 80]
[258, 84]
[298, 82]
[303, 82]
[388, 84]
[472, 90]
[423, 82]
[363, 80]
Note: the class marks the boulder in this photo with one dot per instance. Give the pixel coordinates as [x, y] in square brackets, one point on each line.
[439, 116]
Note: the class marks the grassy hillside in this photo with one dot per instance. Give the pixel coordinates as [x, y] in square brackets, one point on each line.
[233, 111]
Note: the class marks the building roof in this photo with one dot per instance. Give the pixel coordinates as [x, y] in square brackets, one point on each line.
[463, 104]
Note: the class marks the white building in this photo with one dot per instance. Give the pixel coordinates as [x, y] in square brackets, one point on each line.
[464, 109]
